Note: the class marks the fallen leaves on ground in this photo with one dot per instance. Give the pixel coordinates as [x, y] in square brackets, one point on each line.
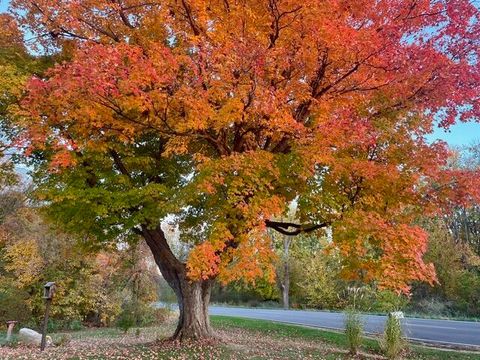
[152, 343]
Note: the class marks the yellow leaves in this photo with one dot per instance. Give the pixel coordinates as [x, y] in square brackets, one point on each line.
[177, 146]
[245, 181]
[24, 261]
[229, 113]
[11, 80]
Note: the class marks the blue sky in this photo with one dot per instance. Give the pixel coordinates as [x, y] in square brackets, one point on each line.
[458, 135]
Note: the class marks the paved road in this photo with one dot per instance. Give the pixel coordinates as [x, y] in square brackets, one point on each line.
[447, 332]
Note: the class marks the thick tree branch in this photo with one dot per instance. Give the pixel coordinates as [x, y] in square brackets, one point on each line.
[119, 164]
[283, 227]
[190, 18]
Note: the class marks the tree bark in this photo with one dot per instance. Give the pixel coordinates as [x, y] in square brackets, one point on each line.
[283, 275]
[194, 322]
[193, 296]
[286, 273]
[286, 289]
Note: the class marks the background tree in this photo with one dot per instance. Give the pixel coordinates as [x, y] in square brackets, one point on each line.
[464, 222]
[457, 264]
[295, 266]
[223, 112]
[16, 67]
[138, 278]
[283, 270]
[92, 286]
[32, 252]
[12, 56]
[282, 244]
[453, 248]
[321, 285]
[458, 274]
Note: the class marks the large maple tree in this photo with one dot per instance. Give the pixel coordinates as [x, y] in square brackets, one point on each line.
[223, 112]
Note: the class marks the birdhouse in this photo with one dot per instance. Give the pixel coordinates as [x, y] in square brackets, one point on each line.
[48, 290]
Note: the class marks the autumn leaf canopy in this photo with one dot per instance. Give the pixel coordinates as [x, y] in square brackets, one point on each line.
[223, 112]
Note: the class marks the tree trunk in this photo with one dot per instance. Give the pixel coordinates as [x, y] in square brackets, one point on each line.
[193, 296]
[285, 293]
[286, 273]
[194, 322]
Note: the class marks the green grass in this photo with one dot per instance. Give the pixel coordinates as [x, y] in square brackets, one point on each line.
[4, 342]
[336, 338]
[285, 330]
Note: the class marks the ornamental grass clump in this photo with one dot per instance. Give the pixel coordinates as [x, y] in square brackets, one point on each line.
[353, 330]
[393, 341]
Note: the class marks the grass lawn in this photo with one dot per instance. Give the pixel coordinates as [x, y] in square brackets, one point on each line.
[238, 339]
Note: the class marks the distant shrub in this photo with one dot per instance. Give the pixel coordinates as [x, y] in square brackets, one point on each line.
[253, 303]
[138, 314]
[269, 304]
[62, 340]
[353, 330]
[54, 325]
[319, 284]
[393, 342]
[162, 315]
[76, 325]
[12, 343]
[13, 305]
[468, 294]
[57, 325]
[433, 306]
[126, 319]
[387, 301]
[146, 315]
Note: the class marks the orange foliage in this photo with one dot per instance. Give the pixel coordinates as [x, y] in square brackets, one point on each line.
[326, 102]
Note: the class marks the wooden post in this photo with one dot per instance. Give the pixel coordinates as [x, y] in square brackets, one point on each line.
[45, 325]
[48, 291]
